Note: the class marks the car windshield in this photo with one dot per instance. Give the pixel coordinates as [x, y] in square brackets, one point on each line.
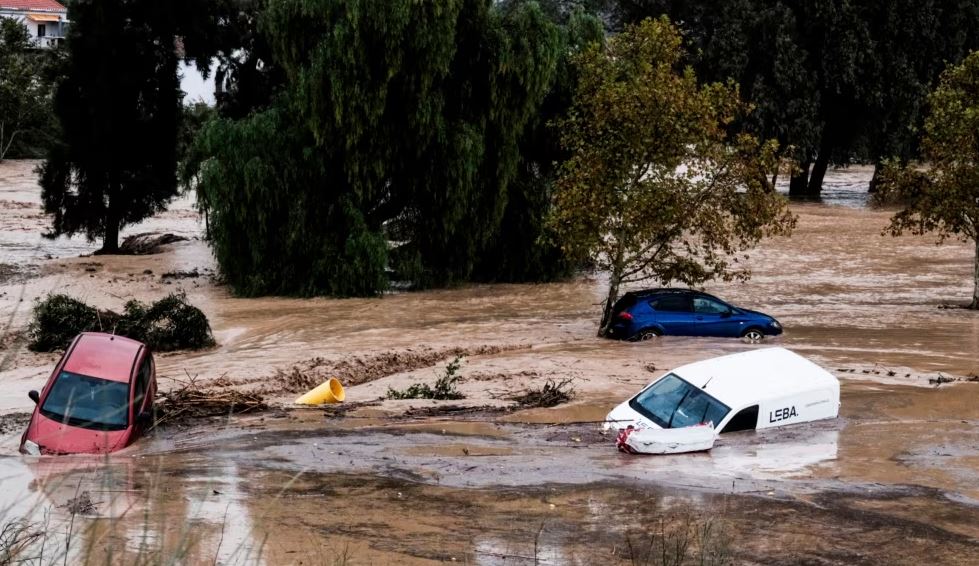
[88, 402]
[673, 403]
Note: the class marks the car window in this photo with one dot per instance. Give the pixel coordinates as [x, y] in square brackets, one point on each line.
[671, 304]
[708, 306]
[88, 402]
[673, 403]
[142, 382]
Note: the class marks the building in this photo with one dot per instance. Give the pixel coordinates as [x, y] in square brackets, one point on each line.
[46, 20]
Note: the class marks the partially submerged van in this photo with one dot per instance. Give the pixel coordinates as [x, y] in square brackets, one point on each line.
[750, 390]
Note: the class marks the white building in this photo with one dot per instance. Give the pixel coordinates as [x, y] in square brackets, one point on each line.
[46, 20]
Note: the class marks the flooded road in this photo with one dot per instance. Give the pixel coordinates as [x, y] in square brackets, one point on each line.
[902, 462]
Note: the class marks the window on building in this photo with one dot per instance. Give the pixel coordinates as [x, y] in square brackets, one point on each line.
[42, 30]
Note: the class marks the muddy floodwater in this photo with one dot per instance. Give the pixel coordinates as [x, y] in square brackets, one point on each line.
[894, 480]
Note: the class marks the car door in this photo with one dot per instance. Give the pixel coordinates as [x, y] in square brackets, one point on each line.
[714, 318]
[142, 387]
[674, 314]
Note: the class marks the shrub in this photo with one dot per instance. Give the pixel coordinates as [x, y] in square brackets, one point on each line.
[444, 388]
[168, 324]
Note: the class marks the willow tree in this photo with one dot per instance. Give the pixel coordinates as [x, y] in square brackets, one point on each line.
[656, 187]
[944, 198]
[403, 120]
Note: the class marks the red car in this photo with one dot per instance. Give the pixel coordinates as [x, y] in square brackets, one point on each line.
[98, 399]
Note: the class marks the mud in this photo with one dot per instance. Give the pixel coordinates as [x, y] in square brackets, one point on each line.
[894, 480]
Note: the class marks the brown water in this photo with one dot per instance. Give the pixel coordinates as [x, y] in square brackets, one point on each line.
[902, 462]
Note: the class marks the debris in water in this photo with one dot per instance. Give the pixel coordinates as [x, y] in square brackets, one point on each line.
[81, 505]
[666, 440]
[941, 379]
[550, 395]
[193, 401]
[147, 243]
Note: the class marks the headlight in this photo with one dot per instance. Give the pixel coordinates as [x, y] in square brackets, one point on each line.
[775, 324]
[31, 448]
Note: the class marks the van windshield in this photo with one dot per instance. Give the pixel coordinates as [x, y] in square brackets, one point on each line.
[673, 403]
[88, 402]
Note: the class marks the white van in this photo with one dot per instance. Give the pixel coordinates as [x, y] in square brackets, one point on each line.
[751, 390]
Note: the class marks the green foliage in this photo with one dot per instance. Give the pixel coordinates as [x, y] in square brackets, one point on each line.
[25, 100]
[59, 318]
[524, 248]
[944, 198]
[656, 188]
[399, 121]
[832, 81]
[168, 324]
[277, 222]
[118, 106]
[444, 388]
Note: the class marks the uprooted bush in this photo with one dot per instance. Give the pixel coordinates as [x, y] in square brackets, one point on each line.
[168, 324]
[444, 388]
[552, 394]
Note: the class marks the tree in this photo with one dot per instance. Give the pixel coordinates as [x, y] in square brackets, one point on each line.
[944, 198]
[25, 103]
[655, 186]
[118, 106]
[408, 118]
[523, 248]
[834, 81]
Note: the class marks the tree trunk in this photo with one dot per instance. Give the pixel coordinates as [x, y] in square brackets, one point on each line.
[613, 295]
[975, 278]
[875, 180]
[818, 174]
[110, 243]
[799, 180]
[614, 281]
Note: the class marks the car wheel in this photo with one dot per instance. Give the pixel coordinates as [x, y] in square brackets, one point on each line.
[753, 335]
[647, 334]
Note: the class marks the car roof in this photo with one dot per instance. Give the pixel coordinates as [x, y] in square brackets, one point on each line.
[668, 291]
[748, 378]
[104, 356]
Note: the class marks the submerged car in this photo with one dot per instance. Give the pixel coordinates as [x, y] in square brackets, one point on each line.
[98, 399]
[641, 315]
[752, 390]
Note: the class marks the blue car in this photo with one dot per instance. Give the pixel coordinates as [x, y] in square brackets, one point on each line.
[641, 315]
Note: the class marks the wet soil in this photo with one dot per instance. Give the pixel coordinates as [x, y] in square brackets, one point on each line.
[894, 480]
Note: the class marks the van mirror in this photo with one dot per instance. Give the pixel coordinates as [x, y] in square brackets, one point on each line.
[726, 314]
[35, 396]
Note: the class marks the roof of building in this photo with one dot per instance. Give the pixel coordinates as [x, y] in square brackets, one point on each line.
[103, 356]
[747, 378]
[32, 5]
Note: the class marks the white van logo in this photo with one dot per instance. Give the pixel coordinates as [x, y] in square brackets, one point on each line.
[782, 414]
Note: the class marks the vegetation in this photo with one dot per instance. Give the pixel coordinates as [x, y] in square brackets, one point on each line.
[116, 163]
[944, 198]
[655, 186]
[168, 324]
[552, 394]
[443, 390]
[833, 82]
[25, 101]
[398, 122]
